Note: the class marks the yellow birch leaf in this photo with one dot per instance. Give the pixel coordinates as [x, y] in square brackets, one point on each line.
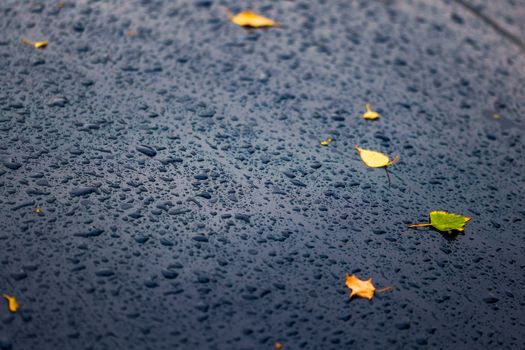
[40, 44]
[375, 159]
[12, 303]
[35, 44]
[251, 19]
[369, 113]
[361, 289]
[326, 142]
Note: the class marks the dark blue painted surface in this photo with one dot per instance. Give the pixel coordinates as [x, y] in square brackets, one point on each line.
[186, 201]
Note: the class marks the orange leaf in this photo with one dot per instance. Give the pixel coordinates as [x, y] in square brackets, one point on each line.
[12, 303]
[361, 289]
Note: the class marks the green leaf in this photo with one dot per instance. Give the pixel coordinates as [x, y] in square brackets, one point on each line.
[445, 221]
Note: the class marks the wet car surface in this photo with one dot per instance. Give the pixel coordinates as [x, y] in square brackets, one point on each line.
[163, 186]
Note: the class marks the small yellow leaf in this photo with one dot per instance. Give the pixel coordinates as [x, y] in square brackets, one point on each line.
[35, 44]
[326, 142]
[496, 116]
[369, 113]
[12, 303]
[37, 210]
[251, 19]
[278, 345]
[375, 159]
[361, 289]
[40, 44]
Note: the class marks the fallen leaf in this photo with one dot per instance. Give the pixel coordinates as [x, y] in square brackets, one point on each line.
[375, 159]
[496, 116]
[35, 44]
[278, 345]
[369, 113]
[40, 44]
[361, 289]
[326, 142]
[445, 221]
[37, 210]
[12, 303]
[251, 19]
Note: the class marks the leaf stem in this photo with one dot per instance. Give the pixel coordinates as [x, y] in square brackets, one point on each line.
[27, 41]
[419, 225]
[385, 290]
[229, 13]
[387, 175]
[394, 160]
